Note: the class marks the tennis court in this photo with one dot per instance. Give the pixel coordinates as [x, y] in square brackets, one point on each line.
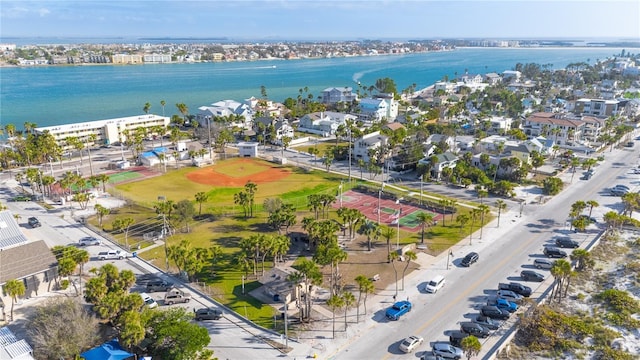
[390, 210]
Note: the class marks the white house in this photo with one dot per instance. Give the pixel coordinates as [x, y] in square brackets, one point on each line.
[445, 160]
[338, 94]
[368, 142]
[323, 123]
[242, 112]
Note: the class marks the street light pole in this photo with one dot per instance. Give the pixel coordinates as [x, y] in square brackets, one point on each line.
[421, 189]
[349, 159]
[340, 189]
[379, 195]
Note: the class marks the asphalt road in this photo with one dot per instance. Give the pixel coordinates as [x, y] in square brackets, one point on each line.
[502, 257]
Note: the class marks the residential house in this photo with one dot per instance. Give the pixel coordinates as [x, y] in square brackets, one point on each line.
[446, 86]
[323, 123]
[492, 78]
[522, 87]
[511, 75]
[468, 79]
[521, 151]
[445, 160]
[383, 106]
[368, 144]
[30, 262]
[500, 124]
[281, 127]
[445, 142]
[265, 107]
[335, 95]
[240, 114]
[596, 107]
[13, 349]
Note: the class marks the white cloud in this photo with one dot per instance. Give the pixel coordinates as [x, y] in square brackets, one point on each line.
[44, 12]
[14, 12]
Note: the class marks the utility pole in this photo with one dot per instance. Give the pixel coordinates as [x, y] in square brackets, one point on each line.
[165, 231]
[350, 140]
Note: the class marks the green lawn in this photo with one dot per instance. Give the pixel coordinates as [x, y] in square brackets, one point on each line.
[222, 223]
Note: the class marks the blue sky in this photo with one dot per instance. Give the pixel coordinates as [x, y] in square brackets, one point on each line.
[321, 19]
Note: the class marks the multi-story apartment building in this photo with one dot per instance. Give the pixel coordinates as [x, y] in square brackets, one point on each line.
[338, 94]
[106, 132]
[596, 107]
[562, 130]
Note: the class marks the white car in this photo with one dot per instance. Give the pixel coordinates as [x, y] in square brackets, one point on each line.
[89, 240]
[411, 343]
[148, 301]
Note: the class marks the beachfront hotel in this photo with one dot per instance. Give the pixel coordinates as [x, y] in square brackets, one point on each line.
[107, 132]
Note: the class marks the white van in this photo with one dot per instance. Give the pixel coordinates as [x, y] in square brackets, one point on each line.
[435, 284]
[148, 301]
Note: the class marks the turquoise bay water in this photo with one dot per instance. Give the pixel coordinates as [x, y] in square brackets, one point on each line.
[68, 94]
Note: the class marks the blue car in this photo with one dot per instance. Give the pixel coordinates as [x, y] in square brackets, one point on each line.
[506, 305]
[398, 309]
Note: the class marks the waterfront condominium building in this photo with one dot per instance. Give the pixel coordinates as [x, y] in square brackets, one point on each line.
[106, 132]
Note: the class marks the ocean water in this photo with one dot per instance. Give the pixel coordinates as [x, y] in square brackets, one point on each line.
[68, 94]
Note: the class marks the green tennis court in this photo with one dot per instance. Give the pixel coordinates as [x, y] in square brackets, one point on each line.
[123, 176]
[411, 220]
[386, 210]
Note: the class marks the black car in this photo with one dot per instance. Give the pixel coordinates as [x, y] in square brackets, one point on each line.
[486, 322]
[494, 312]
[455, 337]
[554, 252]
[207, 314]
[529, 275]
[34, 222]
[474, 329]
[471, 258]
[565, 242]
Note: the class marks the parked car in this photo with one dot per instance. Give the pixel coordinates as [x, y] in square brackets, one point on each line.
[411, 343]
[471, 258]
[510, 296]
[447, 351]
[110, 255]
[487, 322]
[545, 264]
[435, 284]
[504, 304]
[34, 222]
[623, 187]
[21, 198]
[148, 301]
[554, 252]
[171, 298]
[529, 275]
[565, 242]
[430, 356]
[474, 329]
[456, 336]
[618, 192]
[516, 288]
[398, 309]
[494, 312]
[207, 314]
[158, 285]
[89, 240]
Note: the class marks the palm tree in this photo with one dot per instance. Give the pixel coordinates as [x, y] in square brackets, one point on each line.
[365, 286]
[14, 288]
[582, 258]
[592, 204]
[388, 233]
[201, 197]
[347, 301]
[335, 302]
[371, 230]
[463, 220]
[484, 210]
[146, 108]
[163, 103]
[409, 256]
[81, 257]
[309, 273]
[560, 270]
[500, 205]
[424, 220]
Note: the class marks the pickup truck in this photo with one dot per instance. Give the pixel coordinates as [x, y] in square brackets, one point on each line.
[516, 288]
[110, 255]
[174, 297]
[398, 309]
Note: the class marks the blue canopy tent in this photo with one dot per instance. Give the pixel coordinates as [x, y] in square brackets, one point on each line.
[108, 351]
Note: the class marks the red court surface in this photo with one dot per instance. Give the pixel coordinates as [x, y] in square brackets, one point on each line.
[369, 205]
